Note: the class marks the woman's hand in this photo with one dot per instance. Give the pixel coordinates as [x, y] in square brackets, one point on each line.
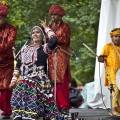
[14, 79]
[12, 84]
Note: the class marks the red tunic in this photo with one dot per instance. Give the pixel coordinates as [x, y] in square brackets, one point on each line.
[62, 32]
[7, 40]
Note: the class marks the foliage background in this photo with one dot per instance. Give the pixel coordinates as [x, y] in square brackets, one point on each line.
[83, 17]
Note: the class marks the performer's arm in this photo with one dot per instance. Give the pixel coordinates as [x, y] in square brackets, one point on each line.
[104, 54]
[52, 43]
[14, 79]
[64, 35]
[16, 74]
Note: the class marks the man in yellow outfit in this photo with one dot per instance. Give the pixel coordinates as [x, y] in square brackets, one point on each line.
[111, 58]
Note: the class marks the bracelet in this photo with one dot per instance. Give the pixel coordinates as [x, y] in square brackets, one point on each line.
[49, 32]
[47, 29]
[16, 73]
[14, 79]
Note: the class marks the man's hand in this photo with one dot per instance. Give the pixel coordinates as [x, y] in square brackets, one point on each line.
[43, 23]
[101, 58]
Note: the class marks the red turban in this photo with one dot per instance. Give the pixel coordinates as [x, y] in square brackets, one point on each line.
[56, 9]
[3, 9]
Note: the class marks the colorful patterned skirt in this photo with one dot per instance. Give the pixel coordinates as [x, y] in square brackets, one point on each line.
[33, 97]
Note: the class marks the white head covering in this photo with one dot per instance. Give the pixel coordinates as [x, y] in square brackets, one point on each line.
[41, 30]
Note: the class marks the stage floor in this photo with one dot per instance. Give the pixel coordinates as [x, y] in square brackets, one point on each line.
[88, 114]
[92, 114]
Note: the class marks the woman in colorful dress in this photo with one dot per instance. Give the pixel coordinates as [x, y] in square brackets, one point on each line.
[33, 95]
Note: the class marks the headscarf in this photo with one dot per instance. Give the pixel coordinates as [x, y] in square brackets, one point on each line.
[3, 8]
[56, 9]
[41, 30]
[115, 32]
[29, 54]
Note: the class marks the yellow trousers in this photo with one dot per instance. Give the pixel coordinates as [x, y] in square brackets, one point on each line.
[116, 99]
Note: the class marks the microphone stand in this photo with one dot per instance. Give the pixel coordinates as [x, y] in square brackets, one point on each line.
[111, 89]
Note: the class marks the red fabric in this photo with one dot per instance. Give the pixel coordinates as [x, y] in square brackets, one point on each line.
[62, 32]
[5, 96]
[62, 93]
[5, 77]
[3, 10]
[7, 37]
[56, 9]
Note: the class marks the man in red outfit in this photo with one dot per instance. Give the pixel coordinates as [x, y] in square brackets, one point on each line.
[60, 72]
[7, 39]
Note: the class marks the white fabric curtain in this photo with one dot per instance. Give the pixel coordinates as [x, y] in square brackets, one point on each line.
[109, 19]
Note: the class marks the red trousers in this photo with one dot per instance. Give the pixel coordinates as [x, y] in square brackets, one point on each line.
[5, 96]
[62, 92]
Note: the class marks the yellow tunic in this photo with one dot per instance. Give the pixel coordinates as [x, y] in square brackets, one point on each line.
[112, 62]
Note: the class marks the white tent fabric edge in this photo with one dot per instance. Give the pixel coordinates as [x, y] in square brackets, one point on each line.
[109, 19]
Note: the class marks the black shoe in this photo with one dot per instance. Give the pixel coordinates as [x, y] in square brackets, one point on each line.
[18, 118]
[59, 118]
[46, 119]
[64, 111]
[5, 117]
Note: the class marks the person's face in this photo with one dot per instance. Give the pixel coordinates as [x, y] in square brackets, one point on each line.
[2, 20]
[116, 40]
[56, 18]
[37, 36]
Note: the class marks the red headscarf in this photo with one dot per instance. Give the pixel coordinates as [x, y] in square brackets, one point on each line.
[3, 9]
[56, 9]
